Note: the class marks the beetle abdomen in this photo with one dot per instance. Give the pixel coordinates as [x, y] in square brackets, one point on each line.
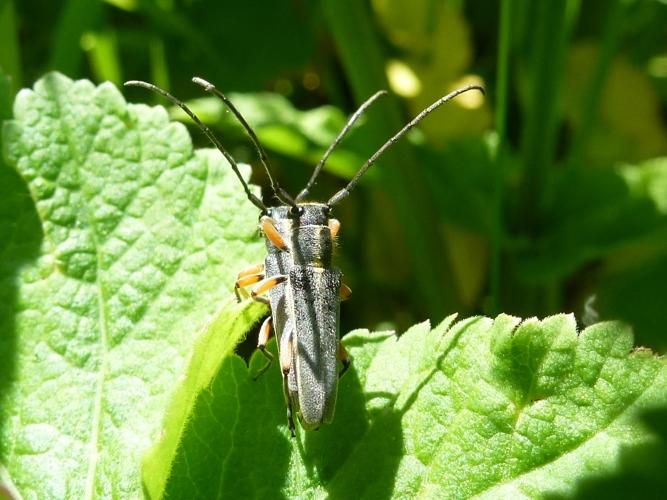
[313, 293]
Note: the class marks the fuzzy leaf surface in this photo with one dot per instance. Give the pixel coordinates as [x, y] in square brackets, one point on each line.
[480, 408]
[119, 241]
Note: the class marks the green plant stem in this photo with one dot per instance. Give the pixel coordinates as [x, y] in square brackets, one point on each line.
[77, 17]
[352, 28]
[158, 63]
[6, 99]
[552, 28]
[104, 56]
[502, 78]
[591, 98]
[10, 59]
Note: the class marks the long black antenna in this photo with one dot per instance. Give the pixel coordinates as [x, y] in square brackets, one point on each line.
[279, 192]
[350, 186]
[207, 132]
[342, 133]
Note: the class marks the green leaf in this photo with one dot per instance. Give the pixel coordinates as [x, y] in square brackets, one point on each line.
[5, 96]
[461, 179]
[633, 290]
[498, 408]
[118, 243]
[214, 347]
[597, 211]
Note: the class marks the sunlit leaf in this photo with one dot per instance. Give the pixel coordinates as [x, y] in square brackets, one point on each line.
[123, 244]
[498, 408]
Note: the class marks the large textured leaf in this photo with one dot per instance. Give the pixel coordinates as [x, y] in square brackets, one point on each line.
[118, 243]
[481, 408]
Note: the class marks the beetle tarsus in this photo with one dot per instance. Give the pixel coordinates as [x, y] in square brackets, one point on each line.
[344, 358]
[290, 421]
[269, 362]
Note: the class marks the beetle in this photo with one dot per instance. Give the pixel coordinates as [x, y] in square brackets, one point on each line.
[304, 288]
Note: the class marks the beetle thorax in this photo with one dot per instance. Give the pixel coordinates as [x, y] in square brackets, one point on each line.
[307, 232]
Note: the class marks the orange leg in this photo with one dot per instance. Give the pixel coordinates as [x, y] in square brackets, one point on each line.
[344, 358]
[269, 229]
[249, 280]
[248, 276]
[334, 227]
[345, 292]
[263, 338]
[286, 356]
[239, 289]
[267, 284]
[256, 269]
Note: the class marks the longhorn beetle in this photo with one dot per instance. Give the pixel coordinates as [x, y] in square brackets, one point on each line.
[304, 288]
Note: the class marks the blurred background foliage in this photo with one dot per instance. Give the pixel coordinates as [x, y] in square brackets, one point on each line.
[548, 194]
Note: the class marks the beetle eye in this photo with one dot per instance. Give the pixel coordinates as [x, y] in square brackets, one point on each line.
[296, 211]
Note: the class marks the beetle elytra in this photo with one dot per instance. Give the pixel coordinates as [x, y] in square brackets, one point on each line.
[298, 279]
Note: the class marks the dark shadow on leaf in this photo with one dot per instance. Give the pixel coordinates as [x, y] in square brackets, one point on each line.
[452, 339]
[370, 471]
[339, 455]
[641, 470]
[328, 448]
[597, 211]
[342, 454]
[235, 445]
[20, 239]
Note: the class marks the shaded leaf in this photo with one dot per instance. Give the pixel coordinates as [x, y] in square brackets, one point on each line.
[597, 211]
[633, 290]
[629, 129]
[461, 179]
